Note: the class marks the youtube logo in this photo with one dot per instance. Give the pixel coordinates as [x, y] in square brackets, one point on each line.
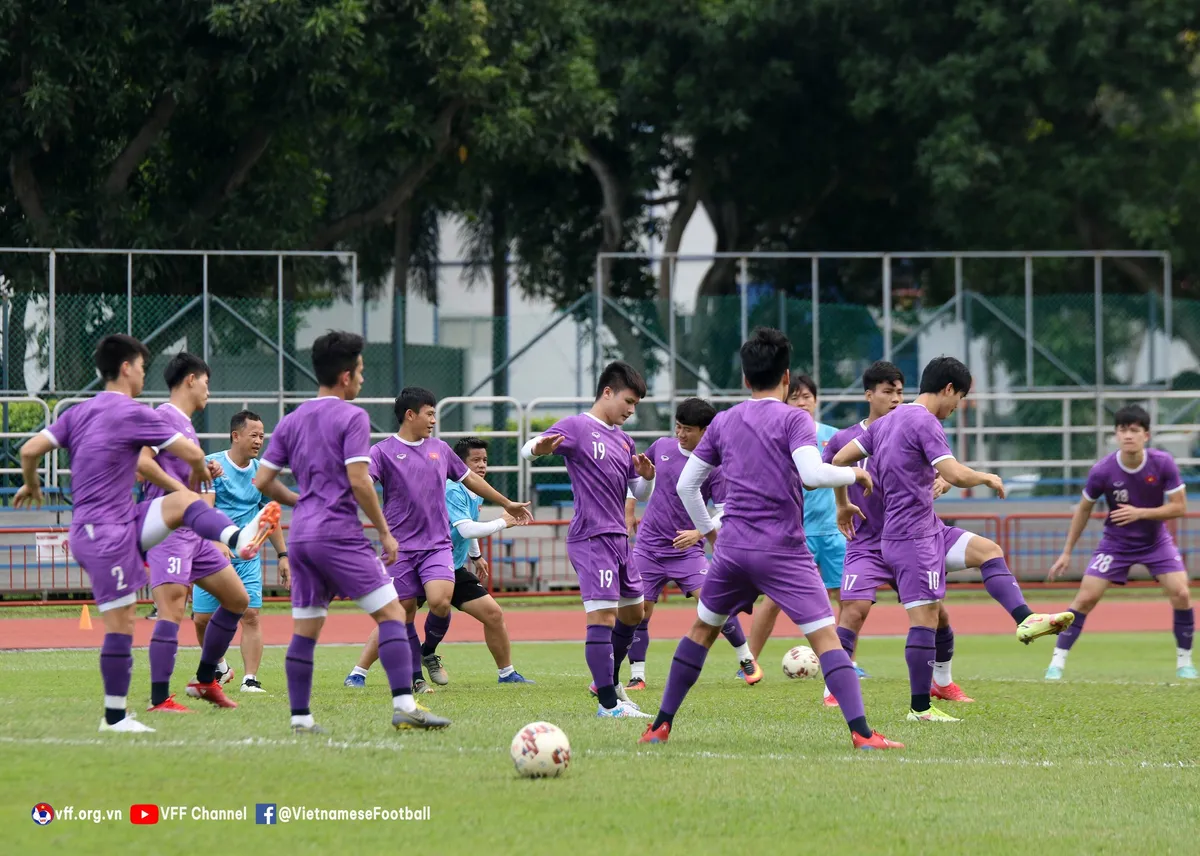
[143, 814]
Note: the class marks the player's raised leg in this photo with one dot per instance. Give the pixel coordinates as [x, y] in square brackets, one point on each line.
[987, 555]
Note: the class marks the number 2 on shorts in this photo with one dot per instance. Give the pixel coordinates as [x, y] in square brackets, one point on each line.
[120, 575]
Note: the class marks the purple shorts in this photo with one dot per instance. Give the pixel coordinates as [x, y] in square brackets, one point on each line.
[323, 570]
[183, 558]
[606, 578]
[1114, 564]
[737, 576]
[686, 570]
[866, 569]
[111, 555]
[413, 570]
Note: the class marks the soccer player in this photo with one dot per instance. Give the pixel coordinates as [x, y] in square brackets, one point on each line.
[327, 443]
[237, 497]
[1142, 490]
[413, 467]
[866, 571]
[604, 466]
[110, 533]
[826, 543]
[668, 547]
[760, 445]
[909, 445]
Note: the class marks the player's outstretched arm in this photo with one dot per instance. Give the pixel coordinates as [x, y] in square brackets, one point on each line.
[1079, 522]
[32, 452]
[960, 475]
[479, 486]
[543, 444]
[816, 473]
[849, 454]
[150, 471]
[364, 493]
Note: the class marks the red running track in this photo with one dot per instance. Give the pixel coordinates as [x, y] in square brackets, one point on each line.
[567, 625]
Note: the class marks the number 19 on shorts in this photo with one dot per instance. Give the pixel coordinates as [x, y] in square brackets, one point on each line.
[606, 578]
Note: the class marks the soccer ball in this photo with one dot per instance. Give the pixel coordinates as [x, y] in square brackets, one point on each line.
[541, 750]
[801, 662]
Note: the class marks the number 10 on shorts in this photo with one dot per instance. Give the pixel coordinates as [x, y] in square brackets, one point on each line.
[606, 578]
[935, 577]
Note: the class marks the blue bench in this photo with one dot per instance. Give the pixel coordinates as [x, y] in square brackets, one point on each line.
[506, 558]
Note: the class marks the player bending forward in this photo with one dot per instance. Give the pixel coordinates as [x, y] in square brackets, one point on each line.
[468, 595]
[604, 466]
[761, 549]
[1143, 490]
[668, 549]
[327, 443]
[866, 571]
[908, 445]
[110, 533]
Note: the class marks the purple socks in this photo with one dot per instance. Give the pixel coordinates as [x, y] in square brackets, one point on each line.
[299, 668]
[436, 627]
[1067, 638]
[1003, 588]
[395, 654]
[622, 639]
[685, 669]
[414, 644]
[164, 644]
[849, 640]
[918, 653]
[1185, 628]
[598, 651]
[842, 681]
[222, 627]
[116, 671]
[641, 642]
[206, 521]
[943, 641]
[733, 632]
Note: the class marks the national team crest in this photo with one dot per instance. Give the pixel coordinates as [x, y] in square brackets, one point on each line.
[433, 456]
[1151, 479]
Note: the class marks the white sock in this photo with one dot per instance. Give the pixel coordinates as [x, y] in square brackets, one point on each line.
[827, 692]
[1060, 658]
[743, 652]
[637, 670]
[404, 702]
[359, 670]
[506, 671]
[247, 679]
[1183, 657]
[115, 702]
[941, 674]
[228, 533]
[222, 664]
[307, 720]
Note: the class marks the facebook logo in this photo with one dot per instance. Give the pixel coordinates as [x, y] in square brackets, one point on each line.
[264, 813]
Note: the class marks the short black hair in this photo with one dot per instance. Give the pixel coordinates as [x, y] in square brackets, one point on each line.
[695, 413]
[881, 371]
[335, 352]
[943, 372]
[766, 356]
[239, 420]
[619, 376]
[1132, 414]
[802, 381]
[413, 398]
[464, 446]
[115, 350]
[183, 364]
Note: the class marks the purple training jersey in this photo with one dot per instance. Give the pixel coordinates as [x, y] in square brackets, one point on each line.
[905, 445]
[171, 465]
[414, 478]
[317, 440]
[665, 515]
[752, 443]
[599, 461]
[866, 531]
[1146, 486]
[105, 436]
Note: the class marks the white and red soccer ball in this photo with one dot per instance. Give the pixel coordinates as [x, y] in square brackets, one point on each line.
[541, 750]
[801, 662]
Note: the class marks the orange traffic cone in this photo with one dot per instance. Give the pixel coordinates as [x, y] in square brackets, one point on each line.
[85, 619]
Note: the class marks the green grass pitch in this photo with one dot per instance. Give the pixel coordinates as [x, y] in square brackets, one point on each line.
[1103, 762]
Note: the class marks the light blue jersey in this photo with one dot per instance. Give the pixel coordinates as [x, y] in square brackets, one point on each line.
[461, 505]
[240, 500]
[820, 507]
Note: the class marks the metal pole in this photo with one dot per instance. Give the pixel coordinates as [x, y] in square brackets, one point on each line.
[1066, 443]
[815, 276]
[1151, 316]
[354, 302]
[1168, 319]
[960, 307]
[783, 325]
[53, 321]
[129, 295]
[887, 307]
[596, 318]
[743, 274]
[1029, 322]
[204, 307]
[1097, 310]
[279, 329]
[672, 364]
